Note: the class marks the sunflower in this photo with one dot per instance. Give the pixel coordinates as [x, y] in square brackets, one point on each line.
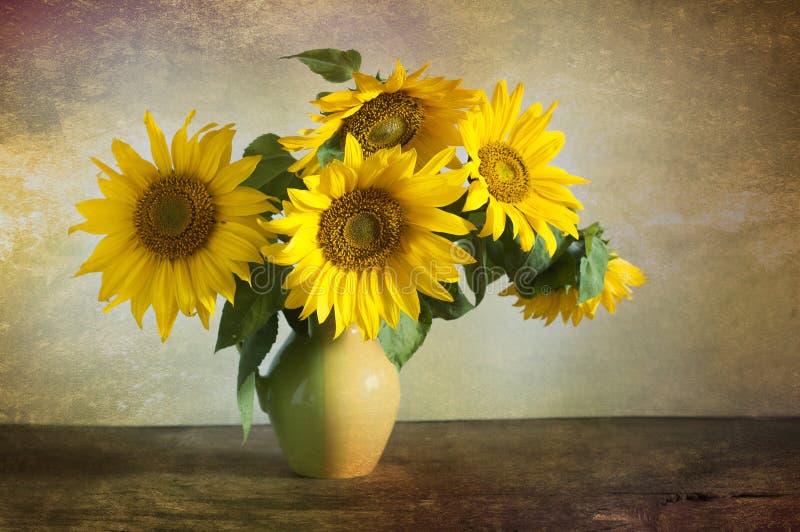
[509, 170]
[404, 111]
[176, 230]
[362, 237]
[620, 276]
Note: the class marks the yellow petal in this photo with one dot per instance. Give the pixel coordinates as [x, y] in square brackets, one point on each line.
[477, 196]
[306, 200]
[232, 175]
[158, 145]
[437, 162]
[353, 155]
[133, 190]
[227, 244]
[132, 165]
[437, 220]
[164, 301]
[218, 278]
[182, 152]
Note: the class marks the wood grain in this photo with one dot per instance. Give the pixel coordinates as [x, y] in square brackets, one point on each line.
[635, 473]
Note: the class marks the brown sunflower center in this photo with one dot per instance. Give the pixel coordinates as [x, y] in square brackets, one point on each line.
[174, 217]
[385, 121]
[505, 172]
[361, 229]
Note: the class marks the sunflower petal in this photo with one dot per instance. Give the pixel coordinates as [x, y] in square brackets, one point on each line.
[158, 145]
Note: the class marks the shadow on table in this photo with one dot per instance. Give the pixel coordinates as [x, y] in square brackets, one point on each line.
[101, 451]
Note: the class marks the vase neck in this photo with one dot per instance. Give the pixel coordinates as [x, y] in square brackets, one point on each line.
[324, 332]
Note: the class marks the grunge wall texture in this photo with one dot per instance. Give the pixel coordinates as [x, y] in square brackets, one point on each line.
[684, 115]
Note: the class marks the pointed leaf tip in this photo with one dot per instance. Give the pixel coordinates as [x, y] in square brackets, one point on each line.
[336, 66]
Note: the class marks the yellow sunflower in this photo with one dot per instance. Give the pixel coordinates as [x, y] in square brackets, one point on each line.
[177, 230]
[362, 237]
[509, 169]
[620, 276]
[404, 110]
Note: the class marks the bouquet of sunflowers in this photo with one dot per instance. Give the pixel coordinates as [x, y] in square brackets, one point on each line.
[378, 224]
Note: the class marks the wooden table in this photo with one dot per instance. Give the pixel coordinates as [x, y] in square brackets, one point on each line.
[635, 473]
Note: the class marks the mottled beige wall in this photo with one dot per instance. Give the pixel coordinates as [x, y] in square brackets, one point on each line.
[685, 118]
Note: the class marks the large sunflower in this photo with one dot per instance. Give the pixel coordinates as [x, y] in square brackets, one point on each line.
[508, 165]
[404, 110]
[362, 237]
[620, 276]
[177, 230]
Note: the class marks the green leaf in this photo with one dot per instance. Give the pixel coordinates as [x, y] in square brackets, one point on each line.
[292, 316]
[589, 233]
[593, 266]
[255, 347]
[457, 206]
[278, 187]
[244, 397]
[477, 273]
[274, 159]
[330, 150]
[400, 344]
[271, 176]
[538, 269]
[251, 354]
[559, 274]
[449, 310]
[251, 309]
[334, 65]
[321, 95]
[526, 269]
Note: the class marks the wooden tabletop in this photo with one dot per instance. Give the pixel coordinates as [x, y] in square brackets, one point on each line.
[635, 473]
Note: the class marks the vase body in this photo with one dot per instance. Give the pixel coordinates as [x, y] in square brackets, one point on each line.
[332, 403]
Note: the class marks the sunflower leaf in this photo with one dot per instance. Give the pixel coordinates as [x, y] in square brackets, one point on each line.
[330, 150]
[271, 176]
[292, 316]
[481, 273]
[252, 307]
[252, 351]
[336, 66]
[560, 273]
[449, 310]
[274, 159]
[244, 398]
[401, 343]
[593, 264]
[254, 348]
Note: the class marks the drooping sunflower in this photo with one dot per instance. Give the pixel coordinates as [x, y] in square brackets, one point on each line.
[405, 110]
[509, 156]
[176, 231]
[362, 237]
[619, 277]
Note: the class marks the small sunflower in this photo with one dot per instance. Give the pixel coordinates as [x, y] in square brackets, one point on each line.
[362, 237]
[509, 158]
[177, 230]
[620, 276]
[404, 110]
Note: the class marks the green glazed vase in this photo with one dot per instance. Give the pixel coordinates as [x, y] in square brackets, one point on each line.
[332, 403]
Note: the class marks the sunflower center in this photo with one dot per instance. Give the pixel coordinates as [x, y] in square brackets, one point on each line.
[505, 172]
[174, 217]
[361, 229]
[385, 121]
[171, 213]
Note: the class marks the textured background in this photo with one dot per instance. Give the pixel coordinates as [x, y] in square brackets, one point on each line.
[683, 115]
